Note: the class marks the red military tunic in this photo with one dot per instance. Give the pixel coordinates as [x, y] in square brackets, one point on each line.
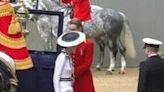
[12, 41]
[81, 9]
[83, 60]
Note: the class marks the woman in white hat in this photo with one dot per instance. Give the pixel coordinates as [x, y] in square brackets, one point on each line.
[64, 70]
[151, 72]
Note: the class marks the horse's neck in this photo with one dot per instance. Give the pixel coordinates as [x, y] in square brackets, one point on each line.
[57, 2]
[96, 7]
[96, 23]
[45, 5]
[50, 5]
[54, 5]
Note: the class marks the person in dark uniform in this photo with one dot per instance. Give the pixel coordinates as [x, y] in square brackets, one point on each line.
[151, 70]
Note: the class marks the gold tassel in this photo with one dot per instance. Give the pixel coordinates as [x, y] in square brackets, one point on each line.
[18, 27]
[14, 27]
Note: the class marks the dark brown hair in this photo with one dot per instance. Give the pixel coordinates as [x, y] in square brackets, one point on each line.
[76, 22]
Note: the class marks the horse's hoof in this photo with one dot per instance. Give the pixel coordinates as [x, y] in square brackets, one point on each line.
[109, 72]
[121, 72]
[98, 69]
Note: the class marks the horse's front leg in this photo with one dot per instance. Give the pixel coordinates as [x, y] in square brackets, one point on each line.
[101, 57]
[123, 65]
[112, 63]
[123, 61]
[100, 61]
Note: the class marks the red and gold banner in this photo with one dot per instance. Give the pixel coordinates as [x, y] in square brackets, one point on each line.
[12, 41]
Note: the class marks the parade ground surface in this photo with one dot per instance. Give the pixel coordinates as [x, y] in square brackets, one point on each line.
[116, 82]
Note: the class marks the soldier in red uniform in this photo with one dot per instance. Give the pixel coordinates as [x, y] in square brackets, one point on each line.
[81, 9]
[12, 41]
[83, 58]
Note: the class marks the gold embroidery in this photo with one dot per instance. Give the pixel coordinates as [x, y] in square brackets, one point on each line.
[14, 43]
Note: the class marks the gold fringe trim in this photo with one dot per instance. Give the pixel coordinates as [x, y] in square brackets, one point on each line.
[22, 64]
[6, 10]
[5, 14]
[14, 43]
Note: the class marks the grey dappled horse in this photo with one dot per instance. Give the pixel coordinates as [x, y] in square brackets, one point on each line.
[108, 27]
[111, 30]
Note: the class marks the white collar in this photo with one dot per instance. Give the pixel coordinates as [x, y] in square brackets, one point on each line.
[154, 54]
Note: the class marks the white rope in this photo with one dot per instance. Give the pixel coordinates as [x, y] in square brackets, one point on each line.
[8, 61]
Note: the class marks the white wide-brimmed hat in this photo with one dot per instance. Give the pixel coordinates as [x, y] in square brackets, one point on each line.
[152, 42]
[70, 39]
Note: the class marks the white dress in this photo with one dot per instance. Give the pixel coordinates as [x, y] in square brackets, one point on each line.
[63, 69]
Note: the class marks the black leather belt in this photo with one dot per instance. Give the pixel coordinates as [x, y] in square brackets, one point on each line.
[65, 79]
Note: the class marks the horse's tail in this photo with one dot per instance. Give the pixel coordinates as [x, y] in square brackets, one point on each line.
[128, 38]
